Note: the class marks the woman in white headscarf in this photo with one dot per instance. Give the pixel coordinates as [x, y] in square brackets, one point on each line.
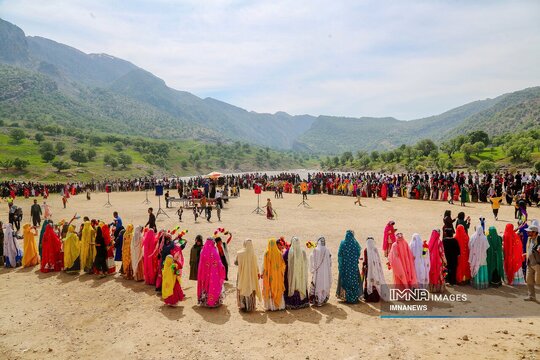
[247, 281]
[136, 254]
[420, 251]
[320, 266]
[296, 283]
[478, 245]
[375, 287]
[12, 250]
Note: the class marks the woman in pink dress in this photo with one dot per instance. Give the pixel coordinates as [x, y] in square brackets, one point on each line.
[211, 276]
[149, 247]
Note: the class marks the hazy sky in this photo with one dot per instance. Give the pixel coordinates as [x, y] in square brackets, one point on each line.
[406, 59]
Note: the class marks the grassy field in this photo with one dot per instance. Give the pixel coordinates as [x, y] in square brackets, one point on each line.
[186, 157]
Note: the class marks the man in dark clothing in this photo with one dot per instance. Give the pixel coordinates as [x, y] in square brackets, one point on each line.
[151, 220]
[35, 212]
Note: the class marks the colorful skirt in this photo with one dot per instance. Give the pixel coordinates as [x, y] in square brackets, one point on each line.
[519, 279]
[203, 300]
[270, 306]
[481, 280]
[296, 302]
[246, 303]
[176, 297]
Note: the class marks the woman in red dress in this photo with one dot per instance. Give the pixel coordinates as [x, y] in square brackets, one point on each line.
[51, 255]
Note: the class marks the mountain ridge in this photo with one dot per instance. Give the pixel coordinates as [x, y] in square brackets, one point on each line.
[117, 94]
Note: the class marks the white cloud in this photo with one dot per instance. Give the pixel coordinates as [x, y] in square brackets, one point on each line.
[367, 58]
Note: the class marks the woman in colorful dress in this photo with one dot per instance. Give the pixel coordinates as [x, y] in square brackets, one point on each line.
[137, 254]
[109, 245]
[320, 267]
[12, 252]
[211, 276]
[437, 263]
[420, 252]
[349, 286]
[402, 263]
[495, 258]
[463, 272]
[171, 289]
[296, 276]
[30, 253]
[273, 278]
[247, 281]
[126, 253]
[88, 247]
[51, 258]
[478, 247]
[375, 286]
[389, 237]
[149, 244]
[72, 251]
[513, 256]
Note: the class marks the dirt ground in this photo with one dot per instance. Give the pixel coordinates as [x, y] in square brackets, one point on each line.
[60, 316]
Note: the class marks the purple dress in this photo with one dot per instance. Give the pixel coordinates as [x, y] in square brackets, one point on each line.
[294, 301]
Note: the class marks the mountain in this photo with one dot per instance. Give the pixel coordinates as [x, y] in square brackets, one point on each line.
[49, 82]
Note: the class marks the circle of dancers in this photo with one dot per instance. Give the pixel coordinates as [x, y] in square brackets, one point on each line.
[288, 277]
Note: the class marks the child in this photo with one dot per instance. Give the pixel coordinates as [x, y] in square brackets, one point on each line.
[495, 205]
[208, 213]
[218, 211]
[195, 212]
[64, 200]
[358, 197]
[179, 213]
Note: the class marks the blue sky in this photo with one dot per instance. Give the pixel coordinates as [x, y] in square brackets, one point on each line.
[406, 59]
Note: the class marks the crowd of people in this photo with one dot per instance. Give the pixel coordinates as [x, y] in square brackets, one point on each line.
[288, 278]
[460, 187]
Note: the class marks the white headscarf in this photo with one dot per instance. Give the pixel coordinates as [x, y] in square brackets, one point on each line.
[297, 269]
[248, 270]
[320, 266]
[478, 245]
[375, 275]
[136, 249]
[11, 246]
[421, 263]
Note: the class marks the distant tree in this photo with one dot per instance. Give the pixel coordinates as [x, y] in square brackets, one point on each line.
[20, 164]
[374, 155]
[118, 146]
[449, 147]
[79, 156]
[519, 152]
[60, 147]
[398, 154]
[467, 150]
[110, 160]
[48, 156]
[17, 135]
[91, 154]
[2, 123]
[364, 163]
[486, 166]
[346, 157]
[184, 164]
[479, 146]
[478, 136]
[15, 124]
[222, 164]
[125, 160]
[426, 146]
[60, 165]
[39, 137]
[335, 161]
[6, 164]
[46, 146]
[537, 166]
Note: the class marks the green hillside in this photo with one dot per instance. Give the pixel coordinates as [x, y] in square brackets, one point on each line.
[159, 157]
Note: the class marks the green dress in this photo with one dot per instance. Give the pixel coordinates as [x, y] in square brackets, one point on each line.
[495, 258]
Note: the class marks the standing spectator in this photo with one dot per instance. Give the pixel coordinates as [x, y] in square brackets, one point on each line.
[533, 262]
[151, 220]
[35, 212]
